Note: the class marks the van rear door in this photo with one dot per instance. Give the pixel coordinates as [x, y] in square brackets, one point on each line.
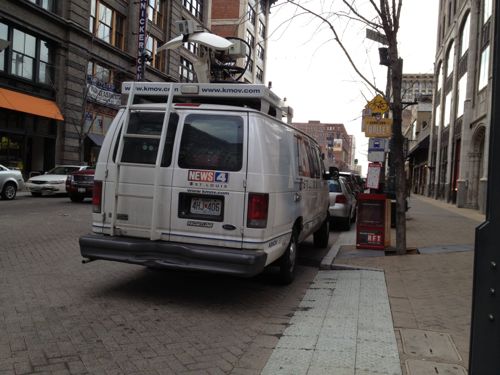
[208, 186]
[134, 193]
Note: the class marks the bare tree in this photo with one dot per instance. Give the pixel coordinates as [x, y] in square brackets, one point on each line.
[385, 21]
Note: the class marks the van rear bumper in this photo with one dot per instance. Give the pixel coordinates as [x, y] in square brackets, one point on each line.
[173, 255]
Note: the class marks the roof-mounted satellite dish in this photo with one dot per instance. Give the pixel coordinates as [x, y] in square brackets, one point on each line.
[206, 39]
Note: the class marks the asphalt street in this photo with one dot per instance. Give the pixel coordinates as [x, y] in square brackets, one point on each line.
[59, 316]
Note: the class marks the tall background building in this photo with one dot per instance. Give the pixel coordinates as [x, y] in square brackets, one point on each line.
[459, 135]
[247, 20]
[335, 143]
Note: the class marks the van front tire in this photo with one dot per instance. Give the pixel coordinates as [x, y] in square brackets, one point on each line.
[322, 235]
[288, 260]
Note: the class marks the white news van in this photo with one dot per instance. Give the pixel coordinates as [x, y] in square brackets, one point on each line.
[205, 177]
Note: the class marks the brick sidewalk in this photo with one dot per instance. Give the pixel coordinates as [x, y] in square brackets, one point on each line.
[430, 294]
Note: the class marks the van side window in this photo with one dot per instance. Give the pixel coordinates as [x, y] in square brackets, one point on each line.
[304, 167]
[212, 142]
[144, 150]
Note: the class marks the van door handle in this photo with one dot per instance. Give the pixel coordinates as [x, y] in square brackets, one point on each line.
[297, 197]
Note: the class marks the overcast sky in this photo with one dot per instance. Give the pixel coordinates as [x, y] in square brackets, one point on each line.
[307, 67]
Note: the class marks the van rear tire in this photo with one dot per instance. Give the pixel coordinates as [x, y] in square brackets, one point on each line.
[288, 261]
[322, 235]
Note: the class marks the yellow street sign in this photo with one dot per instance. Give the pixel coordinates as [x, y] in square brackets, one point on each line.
[378, 104]
[375, 127]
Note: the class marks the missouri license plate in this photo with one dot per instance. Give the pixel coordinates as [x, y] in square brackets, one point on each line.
[206, 206]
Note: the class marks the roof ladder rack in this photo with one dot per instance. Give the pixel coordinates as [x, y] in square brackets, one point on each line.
[119, 155]
[155, 234]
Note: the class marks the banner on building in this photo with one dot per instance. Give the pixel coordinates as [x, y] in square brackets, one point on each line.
[102, 96]
[141, 40]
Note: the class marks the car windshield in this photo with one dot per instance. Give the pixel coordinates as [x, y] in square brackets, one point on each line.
[334, 186]
[63, 170]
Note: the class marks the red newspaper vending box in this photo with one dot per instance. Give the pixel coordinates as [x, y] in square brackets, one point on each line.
[373, 228]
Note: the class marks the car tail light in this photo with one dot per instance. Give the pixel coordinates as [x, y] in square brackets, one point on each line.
[340, 199]
[258, 205]
[97, 197]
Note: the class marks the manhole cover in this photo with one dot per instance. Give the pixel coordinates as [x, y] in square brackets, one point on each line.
[416, 367]
[428, 344]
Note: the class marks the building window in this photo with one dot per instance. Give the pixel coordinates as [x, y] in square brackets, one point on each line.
[250, 64]
[251, 14]
[45, 4]
[44, 65]
[484, 68]
[156, 59]
[100, 76]
[262, 30]
[447, 110]
[250, 40]
[439, 77]
[195, 7]
[464, 36]
[186, 71]
[259, 74]
[30, 58]
[260, 52]
[437, 119]
[23, 54]
[449, 60]
[155, 15]
[192, 47]
[106, 24]
[462, 87]
[487, 10]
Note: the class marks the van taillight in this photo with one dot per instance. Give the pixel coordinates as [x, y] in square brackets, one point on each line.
[97, 197]
[340, 199]
[258, 205]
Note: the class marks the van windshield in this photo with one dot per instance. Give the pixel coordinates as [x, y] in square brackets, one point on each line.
[212, 142]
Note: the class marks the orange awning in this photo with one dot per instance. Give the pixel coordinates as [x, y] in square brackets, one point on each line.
[29, 104]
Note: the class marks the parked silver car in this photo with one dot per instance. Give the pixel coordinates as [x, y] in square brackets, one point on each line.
[343, 205]
[11, 180]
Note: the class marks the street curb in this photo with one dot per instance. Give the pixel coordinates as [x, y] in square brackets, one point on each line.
[348, 267]
[345, 238]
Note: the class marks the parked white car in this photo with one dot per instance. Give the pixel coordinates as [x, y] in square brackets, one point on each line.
[11, 180]
[53, 181]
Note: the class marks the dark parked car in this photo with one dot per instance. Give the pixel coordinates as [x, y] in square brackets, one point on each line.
[79, 184]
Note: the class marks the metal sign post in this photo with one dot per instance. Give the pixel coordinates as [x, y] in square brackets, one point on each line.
[485, 325]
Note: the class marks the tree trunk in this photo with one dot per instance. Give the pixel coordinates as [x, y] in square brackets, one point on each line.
[398, 157]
